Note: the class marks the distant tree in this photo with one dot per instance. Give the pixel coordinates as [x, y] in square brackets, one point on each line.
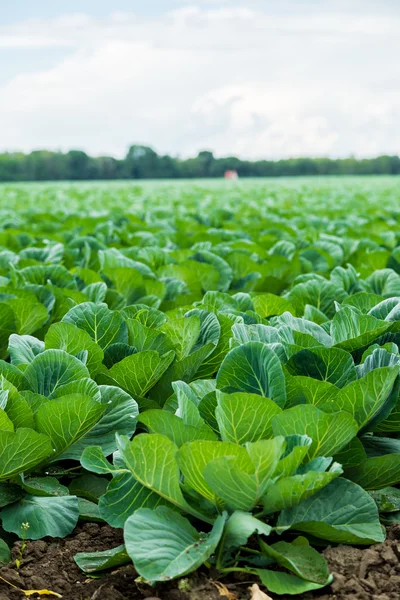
[142, 162]
[205, 159]
[107, 167]
[77, 165]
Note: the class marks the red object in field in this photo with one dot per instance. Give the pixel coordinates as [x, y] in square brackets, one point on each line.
[231, 175]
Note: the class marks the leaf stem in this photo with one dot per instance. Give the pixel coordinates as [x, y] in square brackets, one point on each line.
[251, 550]
[228, 570]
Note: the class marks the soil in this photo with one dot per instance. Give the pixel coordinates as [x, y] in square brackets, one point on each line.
[360, 573]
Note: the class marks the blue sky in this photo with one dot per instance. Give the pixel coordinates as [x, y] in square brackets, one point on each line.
[257, 78]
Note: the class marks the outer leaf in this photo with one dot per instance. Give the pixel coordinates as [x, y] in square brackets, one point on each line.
[164, 545]
[364, 302]
[225, 271]
[119, 417]
[300, 558]
[342, 512]
[195, 456]
[8, 326]
[244, 417]
[124, 495]
[351, 455]
[281, 583]
[152, 461]
[96, 291]
[326, 364]
[53, 516]
[139, 372]
[70, 338]
[103, 325]
[379, 357]
[22, 450]
[377, 472]
[89, 511]
[239, 489]
[9, 493]
[265, 455]
[13, 375]
[239, 527]
[212, 363]
[268, 305]
[183, 334]
[305, 390]
[52, 369]
[296, 449]
[23, 348]
[17, 408]
[67, 419]
[43, 486]
[88, 486]
[94, 562]
[315, 333]
[117, 352]
[290, 491]
[366, 397]
[254, 368]
[351, 330]
[319, 293]
[85, 386]
[187, 402]
[5, 553]
[29, 314]
[380, 310]
[165, 423]
[185, 370]
[93, 460]
[329, 432]
[379, 446]
[5, 422]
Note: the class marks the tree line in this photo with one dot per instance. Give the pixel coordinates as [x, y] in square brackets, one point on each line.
[142, 162]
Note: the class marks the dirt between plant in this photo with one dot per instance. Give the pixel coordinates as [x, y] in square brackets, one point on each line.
[360, 574]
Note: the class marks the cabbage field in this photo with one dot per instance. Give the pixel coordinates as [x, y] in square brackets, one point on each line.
[211, 369]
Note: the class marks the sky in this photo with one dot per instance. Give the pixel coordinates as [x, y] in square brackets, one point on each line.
[251, 78]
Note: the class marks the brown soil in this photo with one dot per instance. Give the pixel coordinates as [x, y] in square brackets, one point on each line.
[49, 564]
[360, 574]
[366, 574]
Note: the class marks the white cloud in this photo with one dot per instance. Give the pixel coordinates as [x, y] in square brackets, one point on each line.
[231, 78]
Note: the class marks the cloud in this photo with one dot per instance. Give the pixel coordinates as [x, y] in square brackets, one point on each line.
[236, 79]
